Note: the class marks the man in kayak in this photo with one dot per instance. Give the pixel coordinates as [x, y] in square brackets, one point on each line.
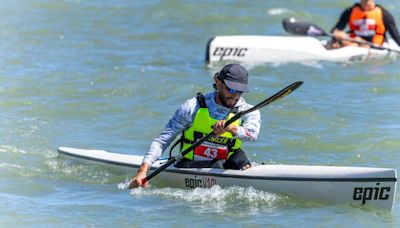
[207, 113]
[367, 22]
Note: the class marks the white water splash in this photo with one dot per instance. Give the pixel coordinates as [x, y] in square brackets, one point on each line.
[6, 165]
[13, 149]
[216, 197]
[278, 11]
[123, 186]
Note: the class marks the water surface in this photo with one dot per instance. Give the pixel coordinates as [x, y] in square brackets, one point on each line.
[108, 75]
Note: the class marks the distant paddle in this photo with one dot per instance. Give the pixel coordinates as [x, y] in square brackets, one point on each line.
[274, 97]
[296, 27]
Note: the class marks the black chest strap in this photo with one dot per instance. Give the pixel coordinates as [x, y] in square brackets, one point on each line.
[202, 104]
[201, 100]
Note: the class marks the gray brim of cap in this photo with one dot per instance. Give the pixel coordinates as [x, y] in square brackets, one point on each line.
[237, 86]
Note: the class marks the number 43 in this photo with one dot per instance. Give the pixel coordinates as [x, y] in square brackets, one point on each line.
[211, 152]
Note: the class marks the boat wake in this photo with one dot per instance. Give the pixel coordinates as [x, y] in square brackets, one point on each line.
[216, 197]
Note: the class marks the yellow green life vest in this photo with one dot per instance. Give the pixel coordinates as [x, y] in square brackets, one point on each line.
[221, 147]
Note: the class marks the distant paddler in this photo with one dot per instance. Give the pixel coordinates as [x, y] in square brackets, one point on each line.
[368, 23]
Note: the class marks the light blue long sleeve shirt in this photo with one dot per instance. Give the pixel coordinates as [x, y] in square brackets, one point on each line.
[184, 117]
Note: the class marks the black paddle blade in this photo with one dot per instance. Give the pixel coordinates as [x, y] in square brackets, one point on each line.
[296, 27]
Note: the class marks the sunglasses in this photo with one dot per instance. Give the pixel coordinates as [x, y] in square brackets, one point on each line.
[232, 91]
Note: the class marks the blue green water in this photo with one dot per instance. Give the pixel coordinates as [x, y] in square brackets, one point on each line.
[109, 74]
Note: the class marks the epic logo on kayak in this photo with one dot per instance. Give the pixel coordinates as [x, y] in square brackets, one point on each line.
[225, 51]
[371, 193]
[204, 182]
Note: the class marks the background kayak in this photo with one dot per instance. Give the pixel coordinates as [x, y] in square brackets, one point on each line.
[284, 49]
[108, 74]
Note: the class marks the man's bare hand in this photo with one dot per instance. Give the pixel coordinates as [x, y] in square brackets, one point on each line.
[139, 180]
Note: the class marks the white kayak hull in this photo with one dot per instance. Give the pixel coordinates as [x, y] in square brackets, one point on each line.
[329, 184]
[282, 49]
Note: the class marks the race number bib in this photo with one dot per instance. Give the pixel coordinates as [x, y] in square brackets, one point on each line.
[365, 27]
[211, 151]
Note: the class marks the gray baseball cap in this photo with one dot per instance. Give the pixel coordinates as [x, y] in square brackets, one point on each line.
[235, 77]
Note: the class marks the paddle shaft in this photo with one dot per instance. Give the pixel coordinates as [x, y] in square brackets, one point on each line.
[274, 97]
[372, 45]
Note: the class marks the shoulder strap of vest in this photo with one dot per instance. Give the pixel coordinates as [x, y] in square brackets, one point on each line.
[201, 100]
